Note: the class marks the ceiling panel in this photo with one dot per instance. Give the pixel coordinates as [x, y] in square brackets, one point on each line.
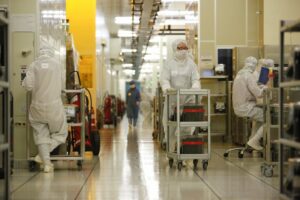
[109, 9]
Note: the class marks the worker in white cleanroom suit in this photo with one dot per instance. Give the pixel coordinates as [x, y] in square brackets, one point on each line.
[180, 72]
[244, 94]
[270, 63]
[46, 114]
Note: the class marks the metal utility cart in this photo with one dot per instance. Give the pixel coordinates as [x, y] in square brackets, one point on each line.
[5, 107]
[270, 103]
[68, 156]
[287, 142]
[158, 106]
[177, 125]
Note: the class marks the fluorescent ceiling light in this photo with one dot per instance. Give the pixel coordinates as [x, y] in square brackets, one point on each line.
[173, 1]
[156, 39]
[129, 71]
[178, 22]
[127, 65]
[125, 33]
[191, 17]
[169, 13]
[127, 20]
[128, 50]
[100, 20]
[152, 57]
[146, 70]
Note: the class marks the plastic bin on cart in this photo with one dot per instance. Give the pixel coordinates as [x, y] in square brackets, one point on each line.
[192, 145]
[192, 113]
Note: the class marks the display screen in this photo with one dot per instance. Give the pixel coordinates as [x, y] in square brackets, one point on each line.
[263, 76]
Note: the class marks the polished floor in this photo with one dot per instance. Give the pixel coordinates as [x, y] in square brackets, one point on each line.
[132, 166]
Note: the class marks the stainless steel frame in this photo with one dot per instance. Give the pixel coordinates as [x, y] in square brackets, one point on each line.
[286, 27]
[178, 124]
[5, 140]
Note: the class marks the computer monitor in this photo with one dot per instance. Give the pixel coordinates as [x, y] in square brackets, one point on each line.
[263, 76]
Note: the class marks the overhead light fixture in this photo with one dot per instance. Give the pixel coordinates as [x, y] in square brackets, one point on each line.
[175, 1]
[156, 39]
[169, 13]
[125, 33]
[129, 71]
[152, 57]
[178, 22]
[127, 65]
[191, 17]
[128, 50]
[127, 20]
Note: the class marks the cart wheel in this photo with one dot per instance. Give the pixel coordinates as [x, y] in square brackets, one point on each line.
[241, 154]
[32, 166]
[95, 140]
[79, 165]
[164, 146]
[204, 164]
[268, 171]
[179, 166]
[225, 155]
[195, 162]
[171, 161]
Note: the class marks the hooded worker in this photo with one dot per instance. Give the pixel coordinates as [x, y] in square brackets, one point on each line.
[46, 114]
[244, 95]
[180, 72]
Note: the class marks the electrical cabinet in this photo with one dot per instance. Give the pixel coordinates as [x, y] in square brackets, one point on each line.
[23, 54]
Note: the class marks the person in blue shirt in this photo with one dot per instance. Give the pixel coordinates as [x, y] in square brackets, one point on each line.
[133, 99]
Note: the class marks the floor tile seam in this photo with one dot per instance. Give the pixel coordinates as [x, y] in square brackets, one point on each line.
[207, 184]
[31, 178]
[86, 180]
[247, 172]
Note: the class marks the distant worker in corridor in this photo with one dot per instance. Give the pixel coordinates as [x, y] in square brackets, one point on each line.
[133, 98]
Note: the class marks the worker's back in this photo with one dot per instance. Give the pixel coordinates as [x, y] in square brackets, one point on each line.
[44, 80]
[242, 98]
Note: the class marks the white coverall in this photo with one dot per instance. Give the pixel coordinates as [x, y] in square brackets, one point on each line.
[244, 94]
[46, 114]
[179, 73]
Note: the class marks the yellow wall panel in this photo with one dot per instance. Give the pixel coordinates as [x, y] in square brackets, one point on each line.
[82, 19]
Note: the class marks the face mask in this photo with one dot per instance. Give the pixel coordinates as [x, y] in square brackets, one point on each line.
[181, 54]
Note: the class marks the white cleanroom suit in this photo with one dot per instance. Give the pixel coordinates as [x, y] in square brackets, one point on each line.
[180, 72]
[244, 94]
[270, 63]
[46, 113]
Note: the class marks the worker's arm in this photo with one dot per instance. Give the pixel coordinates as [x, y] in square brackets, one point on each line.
[165, 78]
[195, 78]
[253, 87]
[28, 82]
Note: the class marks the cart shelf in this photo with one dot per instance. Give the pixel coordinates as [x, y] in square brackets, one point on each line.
[189, 124]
